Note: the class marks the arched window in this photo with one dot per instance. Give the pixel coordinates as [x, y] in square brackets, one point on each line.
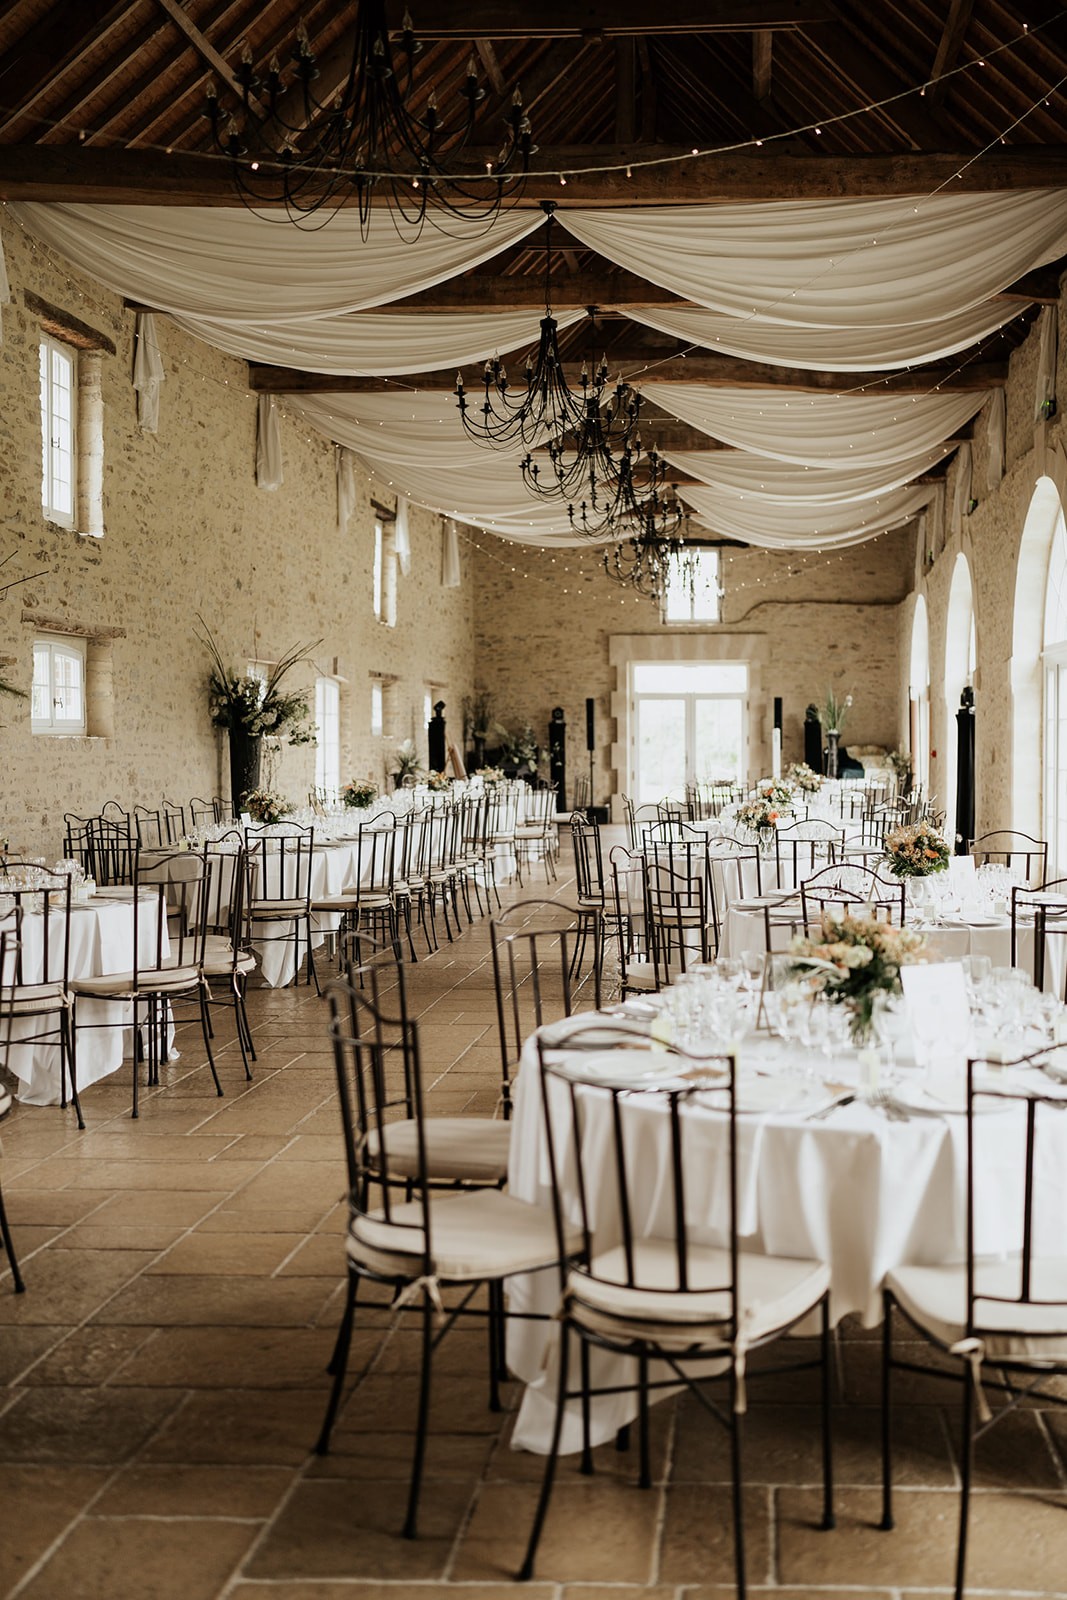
[1015, 789]
[919, 695]
[959, 671]
[1054, 662]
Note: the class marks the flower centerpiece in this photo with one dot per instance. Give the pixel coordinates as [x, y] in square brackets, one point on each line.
[264, 806]
[438, 781]
[490, 774]
[853, 958]
[359, 794]
[801, 777]
[916, 850]
[253, 708]
[762, 813]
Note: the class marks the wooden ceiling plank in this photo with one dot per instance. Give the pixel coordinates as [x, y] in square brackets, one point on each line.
[87, 89]
[560, 19]
[762, 47]
[134, 177]
[55, 45]
[625, 91]
[722, 372]
[489, 61]
[200, 43]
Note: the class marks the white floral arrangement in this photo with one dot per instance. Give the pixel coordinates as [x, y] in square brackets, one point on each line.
[265, 806]
[759, 814]
[804, 778]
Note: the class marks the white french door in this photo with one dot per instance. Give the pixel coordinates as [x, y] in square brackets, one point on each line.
[689, 725]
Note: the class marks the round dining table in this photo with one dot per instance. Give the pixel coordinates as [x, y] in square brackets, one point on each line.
[823, 1173]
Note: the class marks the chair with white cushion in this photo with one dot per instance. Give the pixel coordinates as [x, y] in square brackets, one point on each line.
[662, 1280]
[998, 1316]
[533, 946]
[402, 1231]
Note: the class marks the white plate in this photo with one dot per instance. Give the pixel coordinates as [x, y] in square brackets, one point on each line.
[783, 1095]
[774, 901]
[947, 1099]
[624, 1067]
[118, 891]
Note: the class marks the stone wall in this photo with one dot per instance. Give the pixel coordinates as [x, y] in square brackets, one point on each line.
[187, 532]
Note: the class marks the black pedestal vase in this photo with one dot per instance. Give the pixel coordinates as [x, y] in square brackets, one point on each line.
[246, 756]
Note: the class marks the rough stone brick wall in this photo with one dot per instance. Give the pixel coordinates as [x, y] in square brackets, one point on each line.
[187, 531]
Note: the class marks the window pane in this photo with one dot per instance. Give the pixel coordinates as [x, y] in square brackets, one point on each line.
[690, 677]
[376, 708]
[693, 588]
[67, 685]
[328, 735]
[378, 553]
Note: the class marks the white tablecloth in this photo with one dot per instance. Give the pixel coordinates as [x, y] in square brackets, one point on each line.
[101, 942]
[855, 1190]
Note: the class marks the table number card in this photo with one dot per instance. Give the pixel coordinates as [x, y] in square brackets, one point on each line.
[937, 1008]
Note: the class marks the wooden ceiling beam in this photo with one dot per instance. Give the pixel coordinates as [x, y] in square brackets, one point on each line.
[721, 372]
[138, 177]
[611, 19]
[847, 58]
[949, 45]
[762, 47]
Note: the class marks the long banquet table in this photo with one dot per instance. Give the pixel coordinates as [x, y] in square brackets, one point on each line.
[855, 1188]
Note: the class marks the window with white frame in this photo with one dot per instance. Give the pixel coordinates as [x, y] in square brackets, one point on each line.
[327, 736]
[57, 703]
[59, 374]
[693, 593]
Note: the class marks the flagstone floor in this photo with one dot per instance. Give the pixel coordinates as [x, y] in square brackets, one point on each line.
[164, 1380]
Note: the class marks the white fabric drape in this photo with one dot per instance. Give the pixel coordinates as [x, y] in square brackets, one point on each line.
[148, 371]
[996, 417]
[5, 289]
[961, 494]
[345, 465]
[269, 473]
[450, 565]
[415, 445]
[742, 478]
[781, 527]
[835, 263]
[1045, 393]
[247, 270]
[827, 349]
[403, 536]
[824, 430]
[378, 344]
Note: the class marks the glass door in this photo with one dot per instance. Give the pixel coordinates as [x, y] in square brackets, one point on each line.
[688, 725]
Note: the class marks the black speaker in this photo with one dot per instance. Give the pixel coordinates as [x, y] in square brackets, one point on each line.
[590, 724]
[778, 712]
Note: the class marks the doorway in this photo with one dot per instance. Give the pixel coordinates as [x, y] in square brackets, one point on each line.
[689, 725]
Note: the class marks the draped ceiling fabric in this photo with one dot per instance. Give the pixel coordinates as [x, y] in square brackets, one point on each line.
[827, 349]
[367, 344]
[835, 263]
[776, 527]
[148, 371]
[840, 285]
[820, 430]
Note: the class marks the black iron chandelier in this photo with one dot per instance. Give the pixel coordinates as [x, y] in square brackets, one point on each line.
[655, 554]
[288, 147]
[583, 433]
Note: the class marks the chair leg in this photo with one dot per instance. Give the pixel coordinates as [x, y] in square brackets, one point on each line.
[409, 1530]
[645, 1472]
[587, 1449]
[206, 1030]
[966, 1468]
[496, 1312]
[887, 1415]
[828, 1519]
[5, 1235]
[738, 1489]
[338, 1364]
[526, 1570]
[68, 1045]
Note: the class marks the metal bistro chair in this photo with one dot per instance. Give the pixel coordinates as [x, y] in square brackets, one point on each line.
[654, 1281]
[590, 888]
[1016, 851]
[8, 943]
[402, 1231]
[854, 888]
[998, 1318]
[228, 954]
[679, 922]
[1044, 912]
[533, 947]
[39, 997]
[280, 865]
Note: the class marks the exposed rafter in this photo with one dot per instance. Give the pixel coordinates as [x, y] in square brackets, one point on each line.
[136, 177]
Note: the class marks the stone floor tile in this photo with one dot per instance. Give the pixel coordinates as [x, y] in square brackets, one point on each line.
[92, 1426]
[238, 1427]
[424, 1591]
[59, 1206]
[227, 1254]
[697, 1542]
[342, 1529]
[141, 1490]
[89, 1355]
[214, 1301]
[240, 1358]
[132, 1559]
[38, 1504]
[389, 1455]
[383, 1403]
[20, 1347]
[68, 1285]
[597, 1530]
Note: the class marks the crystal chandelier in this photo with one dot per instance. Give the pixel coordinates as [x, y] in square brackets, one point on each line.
[584, 432]
[656, 552]
[362, 138]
